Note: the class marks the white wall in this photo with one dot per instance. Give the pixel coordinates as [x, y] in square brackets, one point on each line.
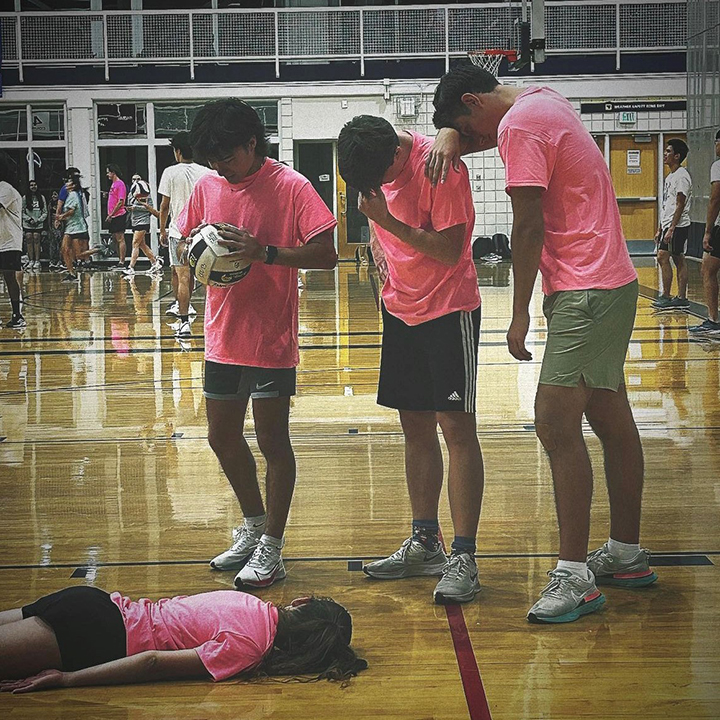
[317, 111]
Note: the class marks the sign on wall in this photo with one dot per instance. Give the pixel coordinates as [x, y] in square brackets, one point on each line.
[608, 106]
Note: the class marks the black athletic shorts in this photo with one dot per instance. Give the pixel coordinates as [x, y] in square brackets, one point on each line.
[87, 624]
[431, 366]
[678, 243]
[79, 236]
[715, 242]
[117, 224]
[228, 382]
[140, 228]
[10, 260]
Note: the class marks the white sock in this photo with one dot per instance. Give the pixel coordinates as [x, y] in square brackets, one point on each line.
[576, 568]
[623, 551]
[256, 524]
[272, 541]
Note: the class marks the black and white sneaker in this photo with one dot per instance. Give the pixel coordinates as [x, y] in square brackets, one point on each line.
[16, 322]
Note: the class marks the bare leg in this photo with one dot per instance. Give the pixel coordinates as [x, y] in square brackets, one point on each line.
[558, 424]
[423, 462]
[682, 273]
[273, 436]
[175, 282]
[120, 240]
[13, 287]
[466, 472]
[710, 270]
[142, 245]
[67, 253]
[611, 419]
[27, 647]
[225, 435]
[137, 239]
[666, 273]
[183, 289]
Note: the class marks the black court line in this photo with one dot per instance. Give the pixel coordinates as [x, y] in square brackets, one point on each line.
[303, 348]
[681, 558]
[494, 432]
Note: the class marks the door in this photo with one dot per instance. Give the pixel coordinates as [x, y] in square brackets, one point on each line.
[316, 161]
[634, 171]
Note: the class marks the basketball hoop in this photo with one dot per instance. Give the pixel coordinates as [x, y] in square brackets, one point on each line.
[490, 59]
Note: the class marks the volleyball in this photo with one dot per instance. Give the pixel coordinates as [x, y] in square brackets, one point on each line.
[208, 263]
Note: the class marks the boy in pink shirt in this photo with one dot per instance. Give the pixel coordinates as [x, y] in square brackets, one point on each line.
[84, 636]
[251, 328]
[116, 213]
[566, 224]
[431, 323]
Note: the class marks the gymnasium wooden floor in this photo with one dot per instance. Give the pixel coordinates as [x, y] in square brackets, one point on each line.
[106, 478]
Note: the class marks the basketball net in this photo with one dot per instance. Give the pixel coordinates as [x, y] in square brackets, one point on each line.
[490, 59]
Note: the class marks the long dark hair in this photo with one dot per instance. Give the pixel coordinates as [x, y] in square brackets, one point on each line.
[312, 639]
[29, 194]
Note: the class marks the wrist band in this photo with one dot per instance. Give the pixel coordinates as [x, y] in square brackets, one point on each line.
[271, 253]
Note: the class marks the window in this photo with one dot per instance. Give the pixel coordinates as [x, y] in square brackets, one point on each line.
[171, 119]
[121, 120]
[13, 123]
[47, 123]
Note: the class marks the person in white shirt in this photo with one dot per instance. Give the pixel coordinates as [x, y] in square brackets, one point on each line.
[711, 257]
[11, 238]
[672, 235]
[176, 186]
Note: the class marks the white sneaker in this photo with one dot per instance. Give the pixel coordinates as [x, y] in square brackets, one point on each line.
[157, 266]
[129, 270]
[264, 567]
[184, 330]
[192, 310]
[174, 309]
[245, 540]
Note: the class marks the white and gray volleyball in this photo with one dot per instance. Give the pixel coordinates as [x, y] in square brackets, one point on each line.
[208, 263]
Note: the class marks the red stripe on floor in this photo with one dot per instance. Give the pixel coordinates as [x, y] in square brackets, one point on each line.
[467, 664]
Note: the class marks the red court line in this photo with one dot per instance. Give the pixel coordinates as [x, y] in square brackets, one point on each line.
[467, 664]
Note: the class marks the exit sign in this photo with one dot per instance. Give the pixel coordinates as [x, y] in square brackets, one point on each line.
[627, 117]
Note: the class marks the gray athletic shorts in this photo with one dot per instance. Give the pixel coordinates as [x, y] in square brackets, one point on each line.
[175, 249]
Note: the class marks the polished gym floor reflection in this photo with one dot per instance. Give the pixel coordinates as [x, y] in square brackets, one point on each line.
[106, 478]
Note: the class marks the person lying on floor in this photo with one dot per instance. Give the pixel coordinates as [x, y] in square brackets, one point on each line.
[84, 636]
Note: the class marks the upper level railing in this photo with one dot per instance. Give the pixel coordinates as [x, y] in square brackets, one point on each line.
[319, 34]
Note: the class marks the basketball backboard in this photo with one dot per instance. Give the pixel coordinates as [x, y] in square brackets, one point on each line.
[528, 33]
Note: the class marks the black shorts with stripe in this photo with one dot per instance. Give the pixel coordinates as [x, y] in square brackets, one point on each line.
[431, 366]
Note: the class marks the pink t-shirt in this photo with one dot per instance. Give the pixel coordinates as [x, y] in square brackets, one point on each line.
[255, 321]
[543, 143]
[230, 631]
[118, 193]
[419, 288]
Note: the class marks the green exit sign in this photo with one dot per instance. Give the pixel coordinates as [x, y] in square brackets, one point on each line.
[627, 117]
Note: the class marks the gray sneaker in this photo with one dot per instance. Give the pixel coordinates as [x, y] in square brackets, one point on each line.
[678, 303]
[662, 302]
[565, 598]
[706, 329]
[459, 582]
[610, 570]
[245, 540]
[411, 560]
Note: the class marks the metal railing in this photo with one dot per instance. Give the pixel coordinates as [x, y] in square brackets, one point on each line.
[320, 34]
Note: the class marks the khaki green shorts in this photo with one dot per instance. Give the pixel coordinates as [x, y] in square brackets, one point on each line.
[588, 336]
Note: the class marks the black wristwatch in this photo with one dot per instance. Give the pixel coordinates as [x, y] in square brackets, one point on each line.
[270, 254]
